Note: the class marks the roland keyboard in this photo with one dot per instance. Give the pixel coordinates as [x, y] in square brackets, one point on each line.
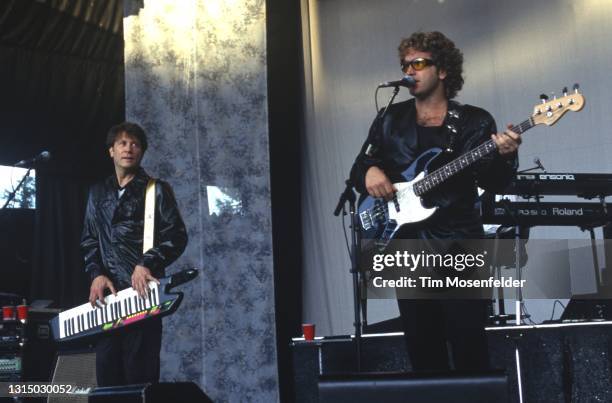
[531, 214]
[121, 310]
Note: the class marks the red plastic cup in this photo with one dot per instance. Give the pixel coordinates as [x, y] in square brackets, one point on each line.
[309, 331]
[8, 312]
[22, 313]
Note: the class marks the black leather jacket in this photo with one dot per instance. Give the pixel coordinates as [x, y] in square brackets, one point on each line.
[396, 145]
[113, 230]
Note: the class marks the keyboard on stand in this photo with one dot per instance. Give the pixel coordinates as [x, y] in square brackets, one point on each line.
[532, 214]
[585, 185]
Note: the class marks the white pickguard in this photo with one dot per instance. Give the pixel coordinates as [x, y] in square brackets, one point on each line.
[411, 209]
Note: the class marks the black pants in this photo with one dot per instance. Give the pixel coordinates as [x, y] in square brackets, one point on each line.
[129, 355]
[429, 324]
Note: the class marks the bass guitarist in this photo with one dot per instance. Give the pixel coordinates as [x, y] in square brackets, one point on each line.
[408, 129]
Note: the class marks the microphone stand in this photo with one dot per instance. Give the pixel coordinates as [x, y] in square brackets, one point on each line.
[391, 98]
[348, 196]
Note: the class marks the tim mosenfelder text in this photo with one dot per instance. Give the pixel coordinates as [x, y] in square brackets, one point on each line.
[449, 282]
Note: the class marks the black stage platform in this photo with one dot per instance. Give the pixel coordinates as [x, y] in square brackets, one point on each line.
[567, 362]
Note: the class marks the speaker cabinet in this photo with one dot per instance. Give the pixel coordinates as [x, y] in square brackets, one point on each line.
[589, 307]
[150, 393]
[40, 351]
[414, 388]
[74, 368]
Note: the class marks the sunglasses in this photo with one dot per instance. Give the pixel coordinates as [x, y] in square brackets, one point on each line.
[417, 64]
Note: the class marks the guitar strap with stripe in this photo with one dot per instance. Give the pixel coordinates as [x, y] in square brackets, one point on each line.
[149, 216]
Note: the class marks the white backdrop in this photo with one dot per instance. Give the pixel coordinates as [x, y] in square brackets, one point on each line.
[514, 51]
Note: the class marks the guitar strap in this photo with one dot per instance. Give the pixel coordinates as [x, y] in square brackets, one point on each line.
[451, 122]
[149, 216]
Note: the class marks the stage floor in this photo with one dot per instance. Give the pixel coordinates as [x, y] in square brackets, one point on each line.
[560, 362]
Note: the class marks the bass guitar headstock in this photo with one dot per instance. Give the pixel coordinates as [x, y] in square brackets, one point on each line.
[549, 111]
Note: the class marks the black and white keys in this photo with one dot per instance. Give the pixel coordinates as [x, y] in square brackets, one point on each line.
[84, 317]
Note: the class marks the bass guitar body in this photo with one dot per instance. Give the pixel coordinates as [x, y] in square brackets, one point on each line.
[381, 219]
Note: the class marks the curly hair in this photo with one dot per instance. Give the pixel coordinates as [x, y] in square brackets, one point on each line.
[444, 54]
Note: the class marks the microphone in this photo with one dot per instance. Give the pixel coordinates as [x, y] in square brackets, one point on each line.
[42, 157]
[537, 161]
[407, 82]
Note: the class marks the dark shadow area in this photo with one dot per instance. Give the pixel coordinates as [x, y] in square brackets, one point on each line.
[285, 124]
[62, 80]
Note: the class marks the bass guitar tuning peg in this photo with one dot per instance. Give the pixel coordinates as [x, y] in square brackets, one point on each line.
[564, 90]
[544, 98]
[576, 87]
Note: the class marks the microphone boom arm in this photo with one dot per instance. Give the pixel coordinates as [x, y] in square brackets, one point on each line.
[11, 195]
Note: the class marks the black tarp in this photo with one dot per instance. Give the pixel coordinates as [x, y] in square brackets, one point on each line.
[61, 88]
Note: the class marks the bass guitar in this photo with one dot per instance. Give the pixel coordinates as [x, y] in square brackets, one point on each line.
[380, 220]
